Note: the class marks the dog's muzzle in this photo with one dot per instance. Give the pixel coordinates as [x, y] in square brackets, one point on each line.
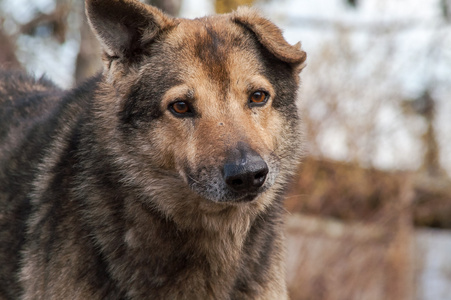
[241, 177]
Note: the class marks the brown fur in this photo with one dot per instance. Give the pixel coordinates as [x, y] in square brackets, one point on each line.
[128, 200]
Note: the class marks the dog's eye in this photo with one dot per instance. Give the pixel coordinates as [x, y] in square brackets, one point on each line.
[258, 98]
[180, 108]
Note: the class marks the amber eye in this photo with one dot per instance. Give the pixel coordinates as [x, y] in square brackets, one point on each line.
[180, 108]
[258, 98]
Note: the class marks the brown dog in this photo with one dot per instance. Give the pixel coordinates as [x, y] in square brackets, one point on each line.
[161, 178]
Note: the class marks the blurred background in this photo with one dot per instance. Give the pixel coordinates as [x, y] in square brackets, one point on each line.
[370, 210]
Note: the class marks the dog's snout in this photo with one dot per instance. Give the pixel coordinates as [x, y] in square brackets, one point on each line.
[248, 176]
[245, 171]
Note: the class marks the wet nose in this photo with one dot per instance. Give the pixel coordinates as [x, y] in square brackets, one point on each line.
[245, 170]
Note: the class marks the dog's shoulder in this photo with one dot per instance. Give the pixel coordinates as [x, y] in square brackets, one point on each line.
[19, 83]
[24, 96]
[33, 110]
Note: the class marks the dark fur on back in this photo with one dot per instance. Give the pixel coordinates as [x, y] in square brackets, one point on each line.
[105, 193]
[31, 112]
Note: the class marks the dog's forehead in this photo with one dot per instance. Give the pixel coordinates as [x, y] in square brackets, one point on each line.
[215, 46]
[213, 38]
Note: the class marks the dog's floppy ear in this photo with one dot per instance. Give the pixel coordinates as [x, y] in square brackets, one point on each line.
[125, 27]
[270, 36]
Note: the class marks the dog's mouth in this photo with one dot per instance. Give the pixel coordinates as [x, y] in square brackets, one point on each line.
[246, 198]
[216, 190]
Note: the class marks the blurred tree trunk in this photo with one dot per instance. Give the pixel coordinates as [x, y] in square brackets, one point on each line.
[171, 7]
[226, 6]
[445, 7]
[431, 160]
[352, 3]
[8, 59]
[89, 60]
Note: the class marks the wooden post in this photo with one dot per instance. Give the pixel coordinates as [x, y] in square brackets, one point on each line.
[400, 279]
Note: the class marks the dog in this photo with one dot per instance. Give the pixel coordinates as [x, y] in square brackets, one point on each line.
[163, 176]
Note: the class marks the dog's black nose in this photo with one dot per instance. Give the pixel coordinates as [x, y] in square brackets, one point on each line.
[245, 170]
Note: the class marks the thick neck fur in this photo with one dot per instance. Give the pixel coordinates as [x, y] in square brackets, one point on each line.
[146, 248]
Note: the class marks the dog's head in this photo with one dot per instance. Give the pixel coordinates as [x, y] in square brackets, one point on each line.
[210, 101]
